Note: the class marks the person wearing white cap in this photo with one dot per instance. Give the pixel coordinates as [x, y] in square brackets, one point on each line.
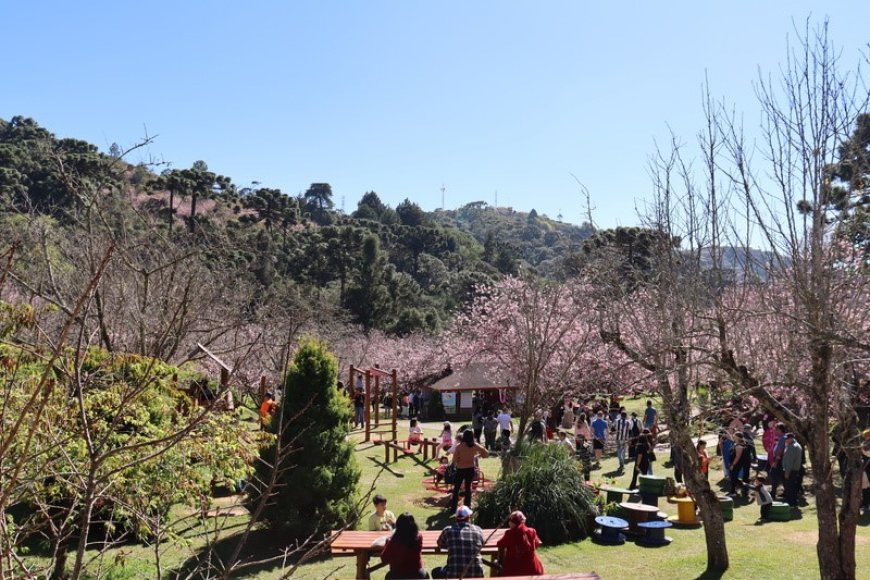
[463, 541]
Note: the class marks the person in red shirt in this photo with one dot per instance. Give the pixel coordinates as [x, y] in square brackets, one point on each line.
[267, 409]
[703, 459]
[517, 549]
[404, 550]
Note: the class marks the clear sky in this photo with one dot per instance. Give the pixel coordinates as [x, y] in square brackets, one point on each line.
[403, 96]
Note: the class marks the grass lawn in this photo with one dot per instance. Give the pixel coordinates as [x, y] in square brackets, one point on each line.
[772, 550]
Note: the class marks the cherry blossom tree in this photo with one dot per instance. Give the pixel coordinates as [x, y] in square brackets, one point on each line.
[816, 295]
[543, 336]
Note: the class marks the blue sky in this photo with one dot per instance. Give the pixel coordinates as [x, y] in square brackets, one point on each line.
[401, 97]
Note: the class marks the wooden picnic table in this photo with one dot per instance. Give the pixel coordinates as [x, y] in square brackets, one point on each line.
[363, 544]
[580, 576]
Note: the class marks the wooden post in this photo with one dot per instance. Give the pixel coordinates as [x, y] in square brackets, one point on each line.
[351, 390]
[377, 401]
[368, 410]
[395, 399]
[262, 388]
[225, 389]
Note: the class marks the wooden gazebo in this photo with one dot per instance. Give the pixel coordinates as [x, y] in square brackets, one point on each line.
[464, 381]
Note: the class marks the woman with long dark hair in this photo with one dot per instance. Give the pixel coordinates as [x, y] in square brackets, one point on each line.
[404, 550]
[642, 456]
[463, 459]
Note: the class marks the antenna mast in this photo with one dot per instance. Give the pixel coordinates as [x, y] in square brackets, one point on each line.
[443, 189]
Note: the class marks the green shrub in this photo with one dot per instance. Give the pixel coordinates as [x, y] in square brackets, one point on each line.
[549, 489]
[317, 483]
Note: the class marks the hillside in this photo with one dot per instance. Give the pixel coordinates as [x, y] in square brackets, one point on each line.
[396, 269]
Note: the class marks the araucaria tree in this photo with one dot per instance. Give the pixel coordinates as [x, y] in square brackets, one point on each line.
[316, 485]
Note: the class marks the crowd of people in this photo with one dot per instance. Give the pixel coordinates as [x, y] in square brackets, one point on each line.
[629, 437]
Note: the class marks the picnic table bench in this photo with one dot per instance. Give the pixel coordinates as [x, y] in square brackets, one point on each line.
[571, 576]
[363, 544]
[397, 448]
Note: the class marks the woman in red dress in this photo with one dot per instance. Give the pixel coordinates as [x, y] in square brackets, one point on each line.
[517, 549]
[404, 550]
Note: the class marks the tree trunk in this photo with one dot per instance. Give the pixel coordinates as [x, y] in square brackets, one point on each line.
[85, 523]
[171, 208]
[836, 547]
[192, 220]
[705, 498]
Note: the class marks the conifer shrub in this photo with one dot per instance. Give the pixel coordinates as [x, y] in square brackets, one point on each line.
[317, 484]
[549, 489]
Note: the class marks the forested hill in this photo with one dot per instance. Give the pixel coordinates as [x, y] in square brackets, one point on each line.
[259, 249]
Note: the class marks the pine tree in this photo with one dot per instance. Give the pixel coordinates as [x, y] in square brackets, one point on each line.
[317, 486]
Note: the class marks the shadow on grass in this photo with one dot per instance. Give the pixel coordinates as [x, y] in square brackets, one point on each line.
[263, 552]
[436, 501]
[385, 467]
[710, 575]
[439, 520]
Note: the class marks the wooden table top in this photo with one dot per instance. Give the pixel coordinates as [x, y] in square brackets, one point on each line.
[638, 507]
[350, 541]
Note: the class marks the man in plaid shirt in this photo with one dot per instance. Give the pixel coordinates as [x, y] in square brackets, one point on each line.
[463, 541]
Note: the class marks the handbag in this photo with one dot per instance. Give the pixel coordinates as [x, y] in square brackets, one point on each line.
[652, 455]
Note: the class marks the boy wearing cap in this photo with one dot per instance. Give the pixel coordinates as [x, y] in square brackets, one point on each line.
[463, 541]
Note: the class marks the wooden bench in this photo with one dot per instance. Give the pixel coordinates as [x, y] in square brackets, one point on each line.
[396, 447]
[380, 433]
[363, 545]
[431, 448]
[571, 576]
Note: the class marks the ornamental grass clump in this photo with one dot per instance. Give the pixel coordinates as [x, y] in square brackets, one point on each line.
[549, 489]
